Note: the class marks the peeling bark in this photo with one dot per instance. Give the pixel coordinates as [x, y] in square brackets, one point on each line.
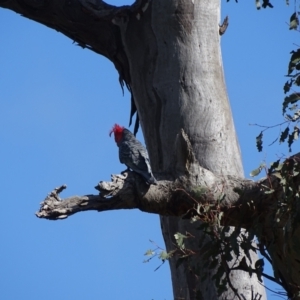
[224, 26]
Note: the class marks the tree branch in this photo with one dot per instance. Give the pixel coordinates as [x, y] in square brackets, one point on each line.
[127, 191]
[235, 197]
[89, 23]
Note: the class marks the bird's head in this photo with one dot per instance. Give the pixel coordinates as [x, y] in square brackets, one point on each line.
[118, 132]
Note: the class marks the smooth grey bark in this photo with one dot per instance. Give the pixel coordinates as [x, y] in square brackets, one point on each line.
[177, 82]
[168, 54]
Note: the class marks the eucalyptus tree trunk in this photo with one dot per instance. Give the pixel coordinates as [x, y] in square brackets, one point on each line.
[168, 53]
[178, 82]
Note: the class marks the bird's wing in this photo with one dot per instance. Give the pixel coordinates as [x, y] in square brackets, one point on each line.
[134, 158]
[124, 152]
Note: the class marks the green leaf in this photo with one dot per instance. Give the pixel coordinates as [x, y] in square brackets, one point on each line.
[287, 86]
[296, 133]
[275, 166]
[277, 174]
[149, 253]
[180, 239]
[294, 60]
[255, 172]
[292, 98]
[219, 217]
[293, 137]
[293, 107]
[284, 135]
[297, 80]
[290, 142]
[163, 255]
[294, 21]
[257, 3]
[296, 116]
[270, 191]
[259, 142]
[266, 3]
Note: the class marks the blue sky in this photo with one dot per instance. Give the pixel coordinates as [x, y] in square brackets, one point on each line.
[57, 105]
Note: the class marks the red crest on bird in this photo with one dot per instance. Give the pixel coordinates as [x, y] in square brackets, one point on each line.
[118, 131]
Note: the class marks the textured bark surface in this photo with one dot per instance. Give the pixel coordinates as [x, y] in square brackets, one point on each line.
[168, 54]
[177, 81]
[244, 204]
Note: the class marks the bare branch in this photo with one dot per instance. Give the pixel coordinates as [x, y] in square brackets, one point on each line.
[241, 199]
[52, 209]
[123, 192]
